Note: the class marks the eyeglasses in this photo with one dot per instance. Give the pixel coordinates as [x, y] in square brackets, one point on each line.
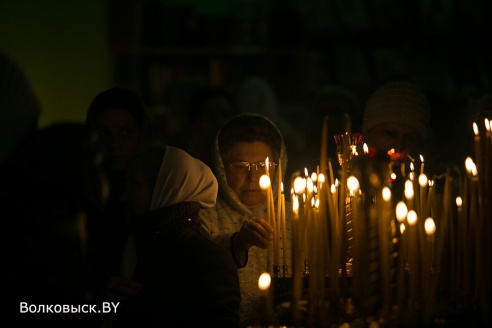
[245, 167]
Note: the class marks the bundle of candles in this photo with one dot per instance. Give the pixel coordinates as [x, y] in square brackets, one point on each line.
[419, 247]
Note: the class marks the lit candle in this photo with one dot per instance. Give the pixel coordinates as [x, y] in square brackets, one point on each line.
[428, 283]
[423, 183]
[284, 227]
[264, 283]
[384, 225]
[478, 150]
[296, 260]
[265, 186]
[413, 258]
[422, 164]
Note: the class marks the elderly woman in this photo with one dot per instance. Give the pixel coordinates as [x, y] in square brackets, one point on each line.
[238, 220]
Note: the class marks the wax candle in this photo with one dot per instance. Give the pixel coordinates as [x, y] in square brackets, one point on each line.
[265, 186]
[413, 261]
[264, 284]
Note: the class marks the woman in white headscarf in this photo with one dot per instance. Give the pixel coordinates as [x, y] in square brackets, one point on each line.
[185, 279]
[238, 221]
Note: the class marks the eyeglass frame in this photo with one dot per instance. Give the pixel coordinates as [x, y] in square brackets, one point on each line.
[272, 165]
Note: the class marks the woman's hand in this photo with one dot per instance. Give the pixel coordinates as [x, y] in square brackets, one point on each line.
[254, 232]
[120, 289]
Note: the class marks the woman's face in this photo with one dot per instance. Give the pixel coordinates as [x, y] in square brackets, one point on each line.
[246, 184]
[386, 136]
[119, 135]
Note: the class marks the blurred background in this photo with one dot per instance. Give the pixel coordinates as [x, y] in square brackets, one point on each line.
[166, 49]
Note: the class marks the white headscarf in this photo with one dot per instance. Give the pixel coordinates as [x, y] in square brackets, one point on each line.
[183, 178]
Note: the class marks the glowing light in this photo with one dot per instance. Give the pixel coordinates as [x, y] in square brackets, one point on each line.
[299, 185]
[321, 178]
[264, 281]
[309, 185]
[386, 194]
[412, 218]
[423, 180]
[430, 226]
[264, 182]
[402, 228]
[459, 201]
[314, 176]
[295, 205]
[401, 211]
[475, 128]
[409, 190]
[352, 183]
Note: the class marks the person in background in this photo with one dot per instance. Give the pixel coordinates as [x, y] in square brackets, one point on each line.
[185, 279]
[44, 234]
[397, 116]
[239, 221]
[117, 125]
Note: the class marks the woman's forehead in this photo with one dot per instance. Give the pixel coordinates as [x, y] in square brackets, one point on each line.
[254, 149]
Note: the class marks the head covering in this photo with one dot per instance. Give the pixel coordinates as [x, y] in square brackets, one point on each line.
[218, 165]
[398, 102]
[183, 178]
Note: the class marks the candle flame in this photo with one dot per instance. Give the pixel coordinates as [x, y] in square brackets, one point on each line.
[412, 167]
[409, 190]
[487, 124]
[423, 180]
[299, 185]
[402, 228]
[393, 176]
[309, 185]
[264, 182]
[386, 194]
[352, 183]
[421, 158]
[295, 204]
[401, 211]
[264, 281]
[306, 174]
[412, 217]
[365, 148]
[314, 176]
[430, 226]
[475, 128]
[459, 201]
[321, 178]
[469, 164]
[333, 189]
